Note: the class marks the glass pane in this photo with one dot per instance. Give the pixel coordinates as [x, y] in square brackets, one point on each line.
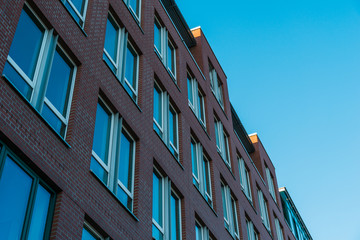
[227, 155]
[109, 63]
[53, 120]
[131, 67]
[125, 167]
[17, 80]
[172, 127]
[157, 106]
[171, 58]
[194, 160]
[156, 234]
[79, 5]
[26, 43]
[206, 176]
[201, 107]
[224, 203]
[15, 187]
[111, 39]
[174, 218]
[102, 133]
[134, 4]
[40, 212]
[157, 36]
[198, 232]
[124, 198]
[157, 199]
[99, 171]
[59, 85]
[73, 13]
[234, 216]
[88, 235]
[217, 134]
[190, 90]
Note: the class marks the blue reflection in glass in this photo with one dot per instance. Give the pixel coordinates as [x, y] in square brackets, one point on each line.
[53, 120]
[125, 167]
[157, 36]
[79, 5]
[130, 71]
[17, 80]
[156, 234]
[98, 170]
[157, 199]
[174, 218]
[15, 187]
[135, 6]
[190, 90]
[124, 198]
[111, 39]
[73, 13]
[87, 235]
[40, 212]
[157, 106]
[102, 133]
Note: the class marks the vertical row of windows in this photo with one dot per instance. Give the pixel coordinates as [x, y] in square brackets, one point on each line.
[264, 210]
[201, 171]
[166, 208]
[41, 71]
[230, 212]
[216, 85]
[113, 154]
[164, 48]
[270, 181]
[244, 179]
[166, 120]
[222, 142]
[251, 232]
[196, 99]
[121, 57]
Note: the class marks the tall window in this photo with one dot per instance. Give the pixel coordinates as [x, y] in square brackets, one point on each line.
[166, 216]
[216, 85]
[77, 9]
[244, 179]
[222, 142]
[279, 231]
[113, 154]
[41, 71]
[230, 212]
[270, 181]
[201, 170]
[89, 233]
[135, 8]
[264, 210]
[165, 48]
[196, 99]
[25, 202]
[121, 57]
[251, 232]
[166, 120]
[201, 231]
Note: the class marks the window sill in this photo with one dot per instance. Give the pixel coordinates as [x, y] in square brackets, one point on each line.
[137, 20]
[167, 70]
[106, 187]
[175, 158]
[38, 113]
[210, 206]
[80, 27]
[122, 85]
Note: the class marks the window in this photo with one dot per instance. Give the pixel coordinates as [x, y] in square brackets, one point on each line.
[89, 233]
[135, 8]
[113, 154]
[222, 142]
[263, 210]
[251, 232]
[201, 232]
[25, 202]
[201, 170]
[270, 181]
[121, 57]
[244, 179]
[166, 120]
[166, 216]
[77, 9]
[164, 48]
[196, 99]
[230, 212]
[279, 231]
[41, 71]
[216, 85]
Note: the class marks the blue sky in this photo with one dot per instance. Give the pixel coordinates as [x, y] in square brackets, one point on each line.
[293, 71]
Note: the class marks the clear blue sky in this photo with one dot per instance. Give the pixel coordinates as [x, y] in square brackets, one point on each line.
[293, 71]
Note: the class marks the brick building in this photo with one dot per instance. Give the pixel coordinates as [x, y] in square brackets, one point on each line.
[115, 123]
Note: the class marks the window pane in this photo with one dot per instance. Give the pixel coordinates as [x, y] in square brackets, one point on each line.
[26, 43]
[40, 212]
[194, 160]
[171, 58]
[79, 5]
[124, 198]
[201, 107]
[158, 107]
[53, 120]
[59, 85]
[223, 196]
[131, 68]
[234, 216]
[111, 39]
[190, 90]
[134, 4]
[157, 199]
[17, 80]
[99, 171]
[157, 36]
[156, 234]
[15, 187]
[125, 167]
[88, 235]
[217, 134]
[174, 217]
[198, 232]
[102, 133]
[172, 127]
[206, 175]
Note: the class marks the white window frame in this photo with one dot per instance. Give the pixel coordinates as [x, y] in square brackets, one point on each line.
[195, 105]
[42, 72]
[164, 127]
[244, 178]
[264, 210]
[201, 179]
[279, 231]
[229, 204]
[163, 51]
[137, 17]
[270, 181]
[81, 16]
[116, 129]
[120, 62]
[216, 85]
[166, 193]
[252, 234]
[224, 148]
